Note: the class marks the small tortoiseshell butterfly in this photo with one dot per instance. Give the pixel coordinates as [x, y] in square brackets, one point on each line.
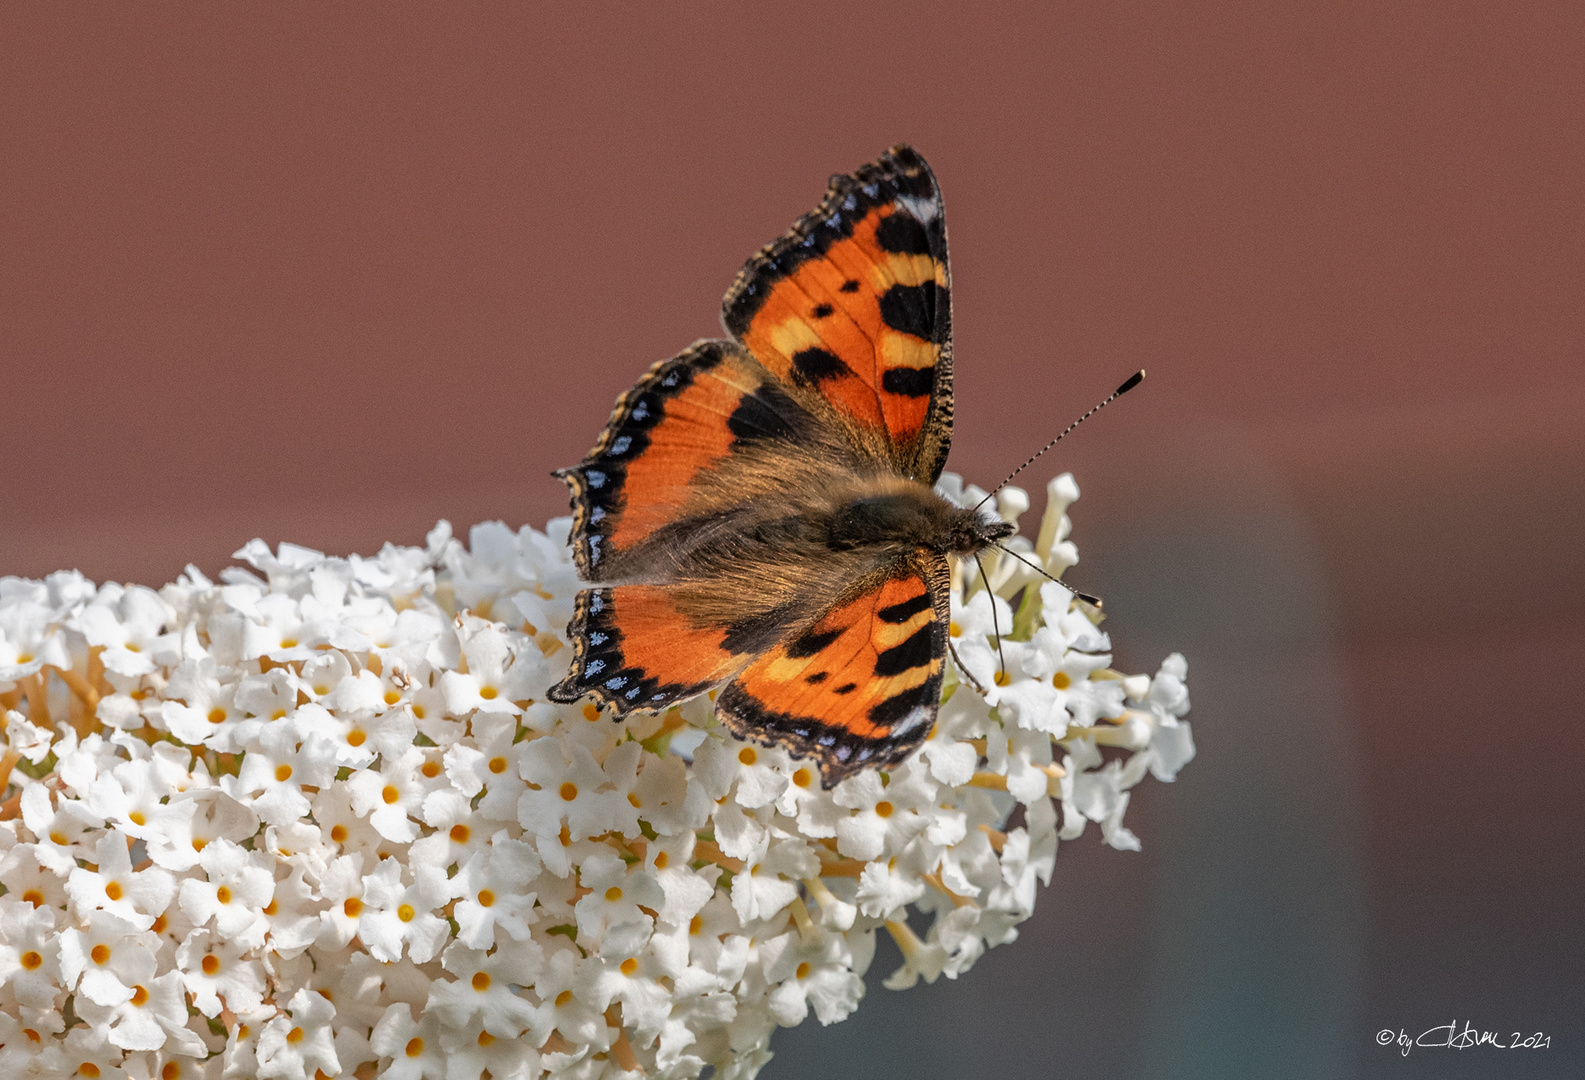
[760, 512]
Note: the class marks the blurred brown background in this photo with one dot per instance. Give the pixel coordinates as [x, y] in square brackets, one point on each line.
[329, 274]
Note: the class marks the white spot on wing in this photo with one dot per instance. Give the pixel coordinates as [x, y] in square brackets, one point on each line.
[925, 210]
[920, 714]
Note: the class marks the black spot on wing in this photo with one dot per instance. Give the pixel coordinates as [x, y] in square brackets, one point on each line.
[817, 678]
[812, 643]
[897, 708]
[904, 610]
[849, 286]
[758, 632]
[823, 311]
[917, 651]
[909, 382]
[846, 688]
[817, 365]
[899, 172]
[903, 234]
[911, 309]
[767, 413]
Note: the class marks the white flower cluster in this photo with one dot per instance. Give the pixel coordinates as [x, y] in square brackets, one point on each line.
[319, 821]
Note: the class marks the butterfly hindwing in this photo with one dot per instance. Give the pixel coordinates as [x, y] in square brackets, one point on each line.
[852, 308]
[633, 650]
[859, 688]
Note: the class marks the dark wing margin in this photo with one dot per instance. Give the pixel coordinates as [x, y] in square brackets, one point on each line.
[853, 307]
[682, 422]
[861, 686]
[633, 651]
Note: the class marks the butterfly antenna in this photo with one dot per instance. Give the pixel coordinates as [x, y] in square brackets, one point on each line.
[1000, 657]
[1093, 601]
[1133, 380]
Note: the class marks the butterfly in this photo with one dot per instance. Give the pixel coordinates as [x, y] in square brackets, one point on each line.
[759, 514]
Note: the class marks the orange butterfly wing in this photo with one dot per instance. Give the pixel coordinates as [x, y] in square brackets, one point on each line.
[842, 363]
[860, 687]
[852, 308]
[675, 431]
[634, 650]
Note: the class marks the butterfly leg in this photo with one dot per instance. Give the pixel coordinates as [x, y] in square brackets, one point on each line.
[964, 671]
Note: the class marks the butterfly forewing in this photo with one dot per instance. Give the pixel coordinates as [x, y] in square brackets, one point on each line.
[852, 309]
